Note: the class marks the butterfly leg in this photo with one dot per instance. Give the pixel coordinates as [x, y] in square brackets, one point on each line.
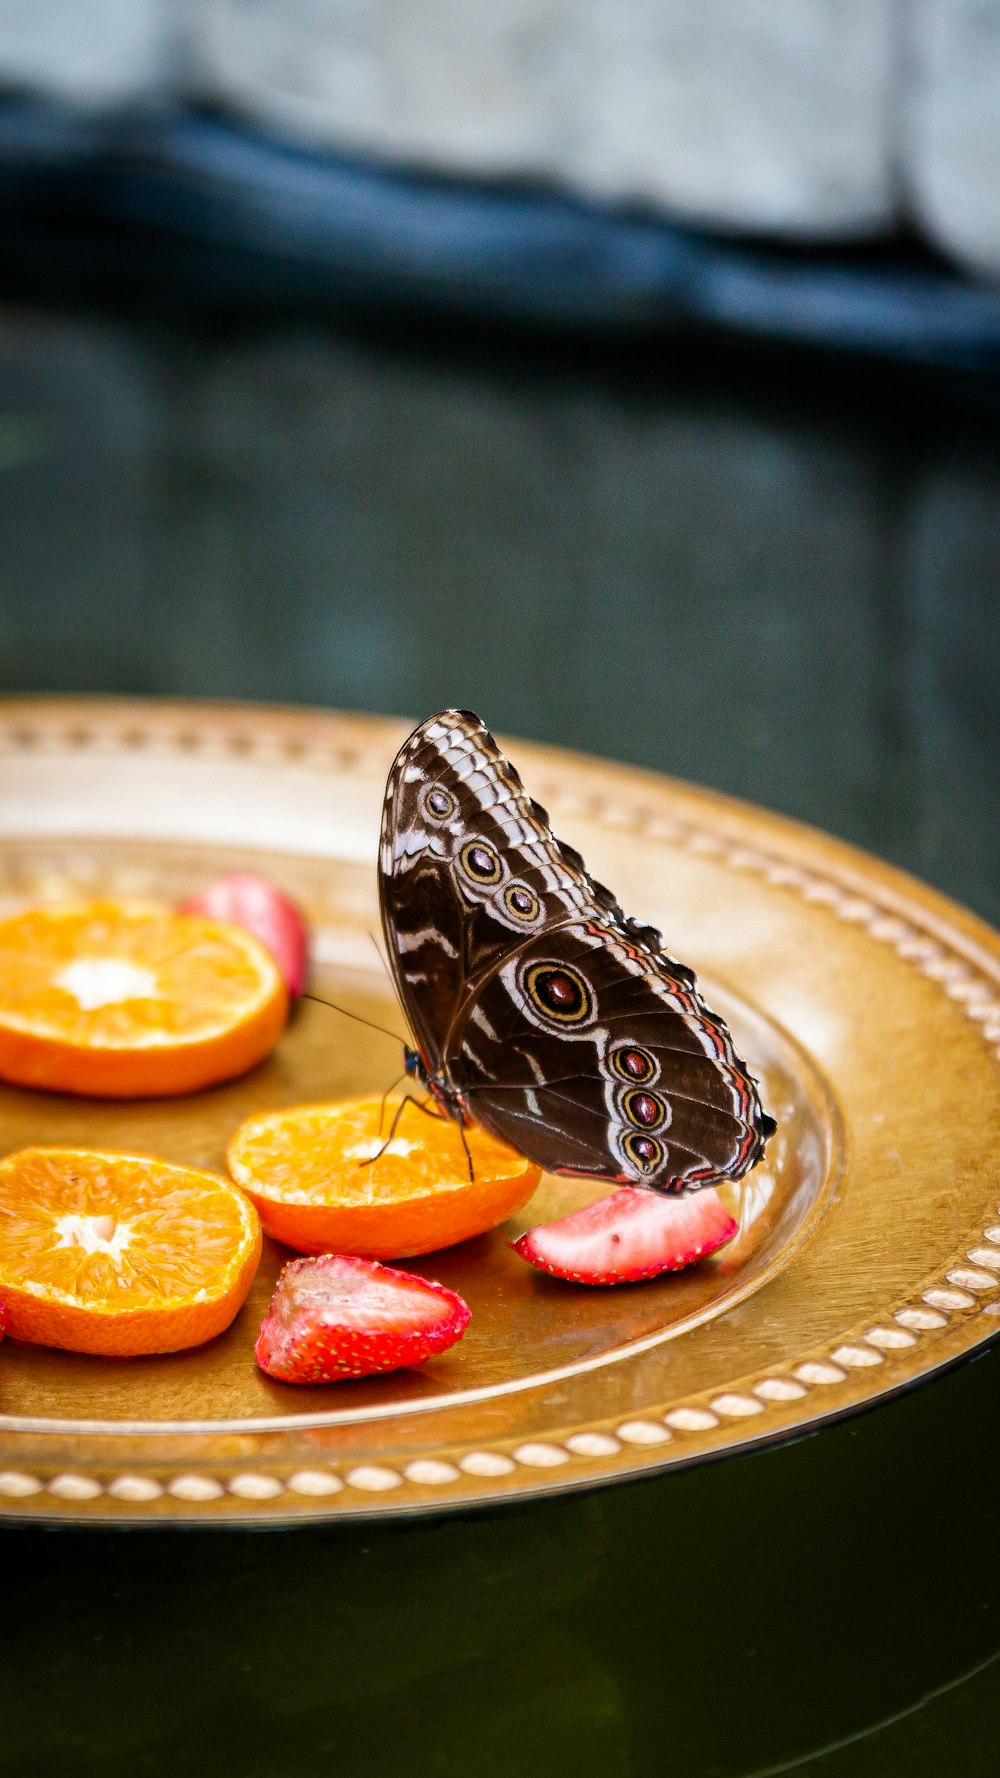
[422, 1105]
[385, 1095]
[400, 1108]
[419, 1105]
[465, 1145]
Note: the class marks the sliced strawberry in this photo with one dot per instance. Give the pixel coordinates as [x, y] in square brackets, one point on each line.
[337, 1316]
[630, 1234]
[248, 900]
[3, 1319]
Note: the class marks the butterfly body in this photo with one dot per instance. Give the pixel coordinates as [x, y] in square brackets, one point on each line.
[442, 1090]
[538, 1008]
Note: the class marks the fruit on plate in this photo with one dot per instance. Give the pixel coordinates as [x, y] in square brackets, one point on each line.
[629, 1234]
[123, 999]
[312, 1173]
[120, 1254]
[246, 899]
[340, 1316]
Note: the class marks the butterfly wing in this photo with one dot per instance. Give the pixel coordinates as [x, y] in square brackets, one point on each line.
[561, 1025]
[468, 870]
[587, 1053]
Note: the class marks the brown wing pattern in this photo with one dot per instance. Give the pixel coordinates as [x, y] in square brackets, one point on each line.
[549, 1016]
[469, 869]
[582, 1052]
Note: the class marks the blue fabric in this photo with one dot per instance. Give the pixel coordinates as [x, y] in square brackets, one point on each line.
[322, 225]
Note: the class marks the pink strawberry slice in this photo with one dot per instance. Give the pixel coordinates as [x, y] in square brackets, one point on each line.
[630, 1234]
[338, 1316]
[246, 899]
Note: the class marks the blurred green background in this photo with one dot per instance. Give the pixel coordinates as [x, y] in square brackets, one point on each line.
[774, 573]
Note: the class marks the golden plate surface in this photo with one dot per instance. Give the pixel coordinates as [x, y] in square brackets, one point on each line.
[869, 1251]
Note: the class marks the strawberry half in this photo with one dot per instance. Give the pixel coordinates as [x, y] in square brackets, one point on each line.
[630, 1234]
[248, 900]
[337, 1316]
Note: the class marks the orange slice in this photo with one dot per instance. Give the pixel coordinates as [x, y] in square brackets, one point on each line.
[304, 1169]
[123, 999]
[118, 1254]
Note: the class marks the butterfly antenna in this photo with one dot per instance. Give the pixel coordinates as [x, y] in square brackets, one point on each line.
[381, 959]
[354, 1015]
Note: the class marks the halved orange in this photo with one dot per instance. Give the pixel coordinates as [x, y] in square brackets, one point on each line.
[120, 1254]
[305, 1169]
[125, 999]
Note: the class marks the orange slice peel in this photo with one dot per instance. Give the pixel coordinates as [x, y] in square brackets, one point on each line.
[124, 999]
[118, 1254]
[311, 1173]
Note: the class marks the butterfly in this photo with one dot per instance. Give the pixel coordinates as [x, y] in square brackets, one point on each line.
[538, 1009]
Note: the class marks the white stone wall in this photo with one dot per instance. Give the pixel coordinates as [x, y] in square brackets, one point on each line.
[953, 128]
[89, 52]
[310, 67]
[771, 115]
[457, 85]
[806, 119]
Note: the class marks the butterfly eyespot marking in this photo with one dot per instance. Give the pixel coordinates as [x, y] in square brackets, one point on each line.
[646, 1110]
[643, 1151]
[520, 902]
[480, 863]
[438, 804]
[559, 993]
[633, 1064]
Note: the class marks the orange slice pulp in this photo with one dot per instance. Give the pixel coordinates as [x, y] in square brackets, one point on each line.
[119, 1254]
[123, 999]
[307, 1170]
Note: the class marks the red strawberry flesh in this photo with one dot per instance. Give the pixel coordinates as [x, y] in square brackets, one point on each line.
[337, 1316]
[629, 1234]
[251, 901]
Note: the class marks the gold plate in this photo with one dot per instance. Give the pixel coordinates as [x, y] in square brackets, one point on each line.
[869, 1253]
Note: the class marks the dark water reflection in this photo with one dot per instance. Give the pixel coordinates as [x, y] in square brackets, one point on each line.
[761, 581]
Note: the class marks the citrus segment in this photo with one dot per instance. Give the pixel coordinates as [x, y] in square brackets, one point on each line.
[120, 1254]
[311, 1173]
[124, 999]
[249, 900]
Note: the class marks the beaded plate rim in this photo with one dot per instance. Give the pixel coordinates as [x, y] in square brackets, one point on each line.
[943, 1319]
